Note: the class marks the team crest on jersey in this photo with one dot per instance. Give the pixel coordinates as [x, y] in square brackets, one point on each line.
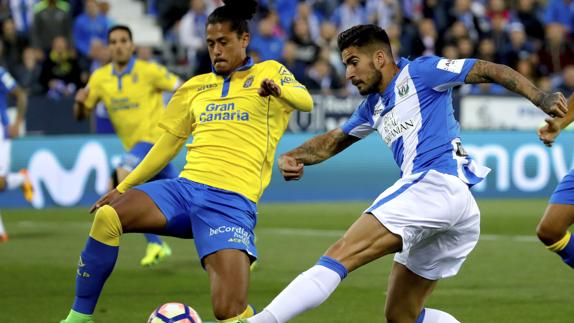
[135, 78]
[403, 88]
[248, 82]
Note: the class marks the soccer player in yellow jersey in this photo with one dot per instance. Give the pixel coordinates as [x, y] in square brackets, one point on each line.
[553, 229]
[236, 115]
[131, 90]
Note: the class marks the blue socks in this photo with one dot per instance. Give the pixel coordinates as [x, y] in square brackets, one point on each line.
[152, 238]
[334, 265]
[96, 263]
[564, 248]
[567, 253]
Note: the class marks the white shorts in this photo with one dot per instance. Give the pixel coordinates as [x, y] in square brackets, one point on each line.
[437, 218]
[4, 152]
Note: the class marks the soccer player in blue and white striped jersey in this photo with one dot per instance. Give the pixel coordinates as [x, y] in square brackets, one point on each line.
[428, 218]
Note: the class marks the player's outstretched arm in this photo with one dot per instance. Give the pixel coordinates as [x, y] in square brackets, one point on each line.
[21, 106]
[553, 104]
[297, 97]
[80, 110]
[550, 131]
[314, 151]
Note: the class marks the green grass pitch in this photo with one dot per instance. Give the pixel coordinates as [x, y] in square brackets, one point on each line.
[509, 277]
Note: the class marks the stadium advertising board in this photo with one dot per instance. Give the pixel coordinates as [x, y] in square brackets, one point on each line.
[499, 113]
[74, 170]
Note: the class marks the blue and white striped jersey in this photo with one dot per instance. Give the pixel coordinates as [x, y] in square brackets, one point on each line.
[414, 116]
[7, 84]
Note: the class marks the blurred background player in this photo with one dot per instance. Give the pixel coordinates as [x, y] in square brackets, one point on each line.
[131, 90]
[11, 181]
[236, 115]
[559, 215]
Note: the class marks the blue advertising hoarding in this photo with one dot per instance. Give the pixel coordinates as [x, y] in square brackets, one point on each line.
[74, 170]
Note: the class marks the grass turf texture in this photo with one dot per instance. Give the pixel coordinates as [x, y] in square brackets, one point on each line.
[509, 277]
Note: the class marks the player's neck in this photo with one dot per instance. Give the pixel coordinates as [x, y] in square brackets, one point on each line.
[120, 67]
[389, 71]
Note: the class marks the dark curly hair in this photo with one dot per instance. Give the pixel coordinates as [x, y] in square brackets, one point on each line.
[364, 36]
[237, 12]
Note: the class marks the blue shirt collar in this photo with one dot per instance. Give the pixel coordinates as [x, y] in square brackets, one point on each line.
[128, 69]
[391, 87]
[244, 67]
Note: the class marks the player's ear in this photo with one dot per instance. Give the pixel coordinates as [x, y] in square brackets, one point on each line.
[244, 39]
[379, 58]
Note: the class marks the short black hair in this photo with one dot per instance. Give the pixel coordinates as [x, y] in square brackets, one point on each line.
[121, 27]
[362, 36]
[237, 12]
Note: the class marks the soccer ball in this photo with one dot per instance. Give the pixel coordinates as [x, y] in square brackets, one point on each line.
[174, 313]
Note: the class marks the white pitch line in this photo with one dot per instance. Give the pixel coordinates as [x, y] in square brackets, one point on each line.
[339, 233]
[278, 231]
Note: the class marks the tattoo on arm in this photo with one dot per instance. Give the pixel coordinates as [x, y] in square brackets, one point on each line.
[486, 72]
[322, 147]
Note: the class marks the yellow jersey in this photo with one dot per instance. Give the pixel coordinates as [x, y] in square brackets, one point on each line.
[235, 131]
[132, 98]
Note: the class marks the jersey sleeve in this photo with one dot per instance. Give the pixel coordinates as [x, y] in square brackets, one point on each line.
[93, 93]
[441, 74]
[294, 95]
[178, 118]
[7, 82]
[163, 79]
[359, 124]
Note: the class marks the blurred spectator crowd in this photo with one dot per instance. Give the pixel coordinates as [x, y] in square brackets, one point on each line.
[534, 37]
[52, 46]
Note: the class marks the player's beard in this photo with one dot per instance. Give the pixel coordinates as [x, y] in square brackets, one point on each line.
[376, 78]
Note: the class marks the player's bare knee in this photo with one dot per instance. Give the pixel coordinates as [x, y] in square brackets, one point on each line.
[107, 227]
[548, 233]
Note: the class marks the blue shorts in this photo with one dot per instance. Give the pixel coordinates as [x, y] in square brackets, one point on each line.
[138, 153]
[217, 219]
[564, 192]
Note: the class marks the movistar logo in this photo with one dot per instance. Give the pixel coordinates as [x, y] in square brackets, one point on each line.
[67, 186]
[224, 112]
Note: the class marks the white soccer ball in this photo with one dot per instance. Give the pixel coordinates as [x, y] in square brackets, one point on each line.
[174, 313]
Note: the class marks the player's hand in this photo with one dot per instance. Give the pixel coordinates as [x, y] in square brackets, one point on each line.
[268, 87]
[548, 133]
[14, 130]
[106, 199]
[291, 169]
[554, 105]
[82, 95]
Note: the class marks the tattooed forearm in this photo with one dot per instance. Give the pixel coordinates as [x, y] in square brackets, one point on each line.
[322, 147]
[486, 72]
